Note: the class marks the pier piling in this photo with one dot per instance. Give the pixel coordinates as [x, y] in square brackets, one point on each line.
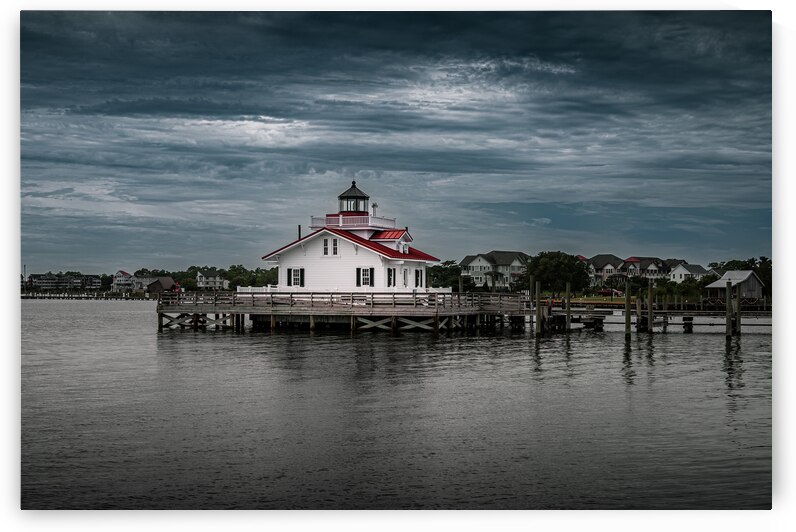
[728, 310]
[627, 308]
[569, 312]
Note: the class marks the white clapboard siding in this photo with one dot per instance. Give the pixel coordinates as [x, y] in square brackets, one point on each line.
[338, 272]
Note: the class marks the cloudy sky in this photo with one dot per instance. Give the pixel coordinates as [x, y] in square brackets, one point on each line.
[171, 139]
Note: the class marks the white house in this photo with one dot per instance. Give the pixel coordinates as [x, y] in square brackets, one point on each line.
[122, 282]
[352, 251]
[683, 271]
[498, 268]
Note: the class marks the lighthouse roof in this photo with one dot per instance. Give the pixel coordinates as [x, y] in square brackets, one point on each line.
[353, 192]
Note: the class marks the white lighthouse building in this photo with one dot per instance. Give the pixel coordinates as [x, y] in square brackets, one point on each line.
[352, 251]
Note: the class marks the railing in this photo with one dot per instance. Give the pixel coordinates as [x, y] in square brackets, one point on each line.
[423, 302]
[296, 289]
[340, 220]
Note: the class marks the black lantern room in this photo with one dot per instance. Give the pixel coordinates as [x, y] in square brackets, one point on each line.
[354, 200]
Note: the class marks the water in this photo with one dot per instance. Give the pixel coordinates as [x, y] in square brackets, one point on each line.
[115, 415]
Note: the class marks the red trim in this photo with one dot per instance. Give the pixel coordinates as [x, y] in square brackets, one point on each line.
[392, 234]
[413, 254]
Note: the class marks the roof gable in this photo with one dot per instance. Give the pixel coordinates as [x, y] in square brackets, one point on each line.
[735, 277]
[412, 253]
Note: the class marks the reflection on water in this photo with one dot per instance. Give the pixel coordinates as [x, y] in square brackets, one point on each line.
[123, 417]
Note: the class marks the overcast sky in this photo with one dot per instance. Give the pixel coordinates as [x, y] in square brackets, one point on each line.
[172, 139]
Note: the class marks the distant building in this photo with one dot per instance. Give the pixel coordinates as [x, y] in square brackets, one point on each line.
[122, 282]
[601, 267]
[683, 272]
[645, 267]
[210, 279]
[751, 285]
[162, 284]
[496, 269]
[54, 282]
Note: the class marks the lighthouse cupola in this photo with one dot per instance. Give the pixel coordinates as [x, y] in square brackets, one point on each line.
[353, 201]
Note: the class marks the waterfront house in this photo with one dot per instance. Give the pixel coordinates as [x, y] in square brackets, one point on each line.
[751, 285]
[352, 251]
[122, 282]
[162, 284]
[496, 269]
[685, 271]
[210, 279]
[645, 267]
[601, 267]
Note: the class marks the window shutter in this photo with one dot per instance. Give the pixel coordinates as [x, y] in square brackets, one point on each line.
[301, 277]
[290, 276]
[359, 276]
[371, 277]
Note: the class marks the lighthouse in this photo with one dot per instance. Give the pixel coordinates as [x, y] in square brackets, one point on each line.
[352, 250]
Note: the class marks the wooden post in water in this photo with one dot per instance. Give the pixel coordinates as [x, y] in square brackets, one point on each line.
[569, 312]
[160, 322]
[738, 309]
[538, 326]
[650, 314]
[312, 322]
[627, 308]
[728, 309]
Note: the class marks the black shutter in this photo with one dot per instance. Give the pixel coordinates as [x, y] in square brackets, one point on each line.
[290, 277]
[359, 276]
[371, 278]
[301, 277]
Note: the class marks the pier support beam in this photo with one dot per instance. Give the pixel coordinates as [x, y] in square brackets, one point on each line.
[738, 309]
[312, 322]
[650, 315]
[627, 308]
[728, 310]
[538, 326]
[160, 322]
[569, 312]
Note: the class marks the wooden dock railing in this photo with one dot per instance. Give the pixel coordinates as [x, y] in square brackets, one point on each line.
[423, 302]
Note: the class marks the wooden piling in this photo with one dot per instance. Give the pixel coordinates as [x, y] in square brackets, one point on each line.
[728, 310]
[627, 308]
[160, 322]
[650, 314]
[538, 325]
[738, 309]
[312, 322]
[569, 312]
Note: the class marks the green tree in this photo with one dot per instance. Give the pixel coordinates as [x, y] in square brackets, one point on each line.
[553, 269]
[446, 275]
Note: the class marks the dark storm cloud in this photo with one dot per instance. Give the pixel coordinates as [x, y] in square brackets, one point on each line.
[240, 125]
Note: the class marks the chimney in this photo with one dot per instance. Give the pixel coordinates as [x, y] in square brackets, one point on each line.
[299, 232]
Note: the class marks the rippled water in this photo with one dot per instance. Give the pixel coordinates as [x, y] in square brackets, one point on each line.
[115, 415]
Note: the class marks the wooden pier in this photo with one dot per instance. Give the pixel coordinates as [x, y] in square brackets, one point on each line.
[391, 311]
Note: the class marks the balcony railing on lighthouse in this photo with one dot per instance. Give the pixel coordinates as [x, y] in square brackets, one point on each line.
[346, 221]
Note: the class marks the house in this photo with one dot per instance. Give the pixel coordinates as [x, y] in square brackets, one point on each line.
[684, 271]
[645, 267]
[496, 269]
[751, 285]
[210, 279]
[601, 267]
[352, 251]
[162, 284]
[122, 282]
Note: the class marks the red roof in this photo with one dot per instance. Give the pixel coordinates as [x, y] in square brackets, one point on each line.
[632, 259]
[413, 253]
[392, 234]
[581, 257]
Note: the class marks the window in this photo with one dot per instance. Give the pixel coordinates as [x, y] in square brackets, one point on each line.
[418, 278]
[391, 280]
[295, 276]
[365, 276]
[325, 246]
[334, 246]
[406, 278]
